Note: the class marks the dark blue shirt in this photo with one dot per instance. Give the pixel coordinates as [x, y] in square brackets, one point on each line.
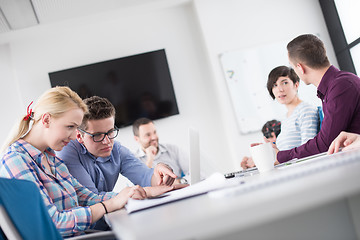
[100, 174]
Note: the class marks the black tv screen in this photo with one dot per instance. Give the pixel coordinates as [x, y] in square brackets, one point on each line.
[138, 85]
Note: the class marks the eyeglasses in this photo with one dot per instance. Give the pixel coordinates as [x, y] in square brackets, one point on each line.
[99, 137]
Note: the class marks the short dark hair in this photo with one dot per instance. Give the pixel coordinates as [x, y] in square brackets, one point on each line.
[281, 71]
[99, 108]
[138, 123]
[308, 49]
[271, 126]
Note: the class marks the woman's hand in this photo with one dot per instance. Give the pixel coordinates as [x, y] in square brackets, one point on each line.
[271, 139]
[247, 162]
[119, 201]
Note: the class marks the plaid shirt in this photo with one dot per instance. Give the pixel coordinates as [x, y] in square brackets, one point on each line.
[66, 199]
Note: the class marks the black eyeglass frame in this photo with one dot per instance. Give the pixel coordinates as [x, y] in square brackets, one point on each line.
[105, 134]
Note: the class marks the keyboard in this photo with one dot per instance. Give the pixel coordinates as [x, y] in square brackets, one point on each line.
[241, 172]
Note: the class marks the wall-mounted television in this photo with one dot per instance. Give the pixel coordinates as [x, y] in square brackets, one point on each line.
[138, 85]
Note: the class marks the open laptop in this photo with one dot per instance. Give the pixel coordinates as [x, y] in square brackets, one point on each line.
[254, 169]
[194, 159]
[240, 173]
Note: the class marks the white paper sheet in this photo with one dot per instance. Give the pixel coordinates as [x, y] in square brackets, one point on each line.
[215, 181]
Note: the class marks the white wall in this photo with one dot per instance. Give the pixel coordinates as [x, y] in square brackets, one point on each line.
[9, 92]
[47, 48]
[193, 35]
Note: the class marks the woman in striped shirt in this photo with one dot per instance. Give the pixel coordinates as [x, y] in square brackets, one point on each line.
[302, 119]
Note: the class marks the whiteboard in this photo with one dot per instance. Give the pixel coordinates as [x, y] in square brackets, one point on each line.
[246, 72]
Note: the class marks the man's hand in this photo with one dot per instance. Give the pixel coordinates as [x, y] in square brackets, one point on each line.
[150, 155]
[158, 190]
[346, 141]
[137, 192]
[163, 175]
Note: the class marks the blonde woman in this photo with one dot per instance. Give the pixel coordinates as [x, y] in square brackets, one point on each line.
[29, 155]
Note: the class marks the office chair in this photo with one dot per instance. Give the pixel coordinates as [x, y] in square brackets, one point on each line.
[321, 116]
[23, 214]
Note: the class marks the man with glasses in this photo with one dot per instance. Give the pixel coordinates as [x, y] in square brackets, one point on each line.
[96, 160]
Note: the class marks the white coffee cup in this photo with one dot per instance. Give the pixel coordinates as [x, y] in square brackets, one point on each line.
[263, 156]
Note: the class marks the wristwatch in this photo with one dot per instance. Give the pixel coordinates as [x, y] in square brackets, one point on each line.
[183, 181]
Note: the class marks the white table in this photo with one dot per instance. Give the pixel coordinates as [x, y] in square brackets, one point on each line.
[314, 199]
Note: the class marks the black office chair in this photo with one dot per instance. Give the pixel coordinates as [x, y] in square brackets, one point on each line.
[23, 214]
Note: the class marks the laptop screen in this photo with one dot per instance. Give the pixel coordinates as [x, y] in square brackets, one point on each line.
[194, 159]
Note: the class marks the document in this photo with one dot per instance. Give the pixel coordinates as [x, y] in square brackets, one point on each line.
[214, 182]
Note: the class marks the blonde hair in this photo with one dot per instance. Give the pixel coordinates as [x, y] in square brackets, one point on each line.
[55, 101]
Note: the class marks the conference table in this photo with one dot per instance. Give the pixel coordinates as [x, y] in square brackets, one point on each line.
[311, 198]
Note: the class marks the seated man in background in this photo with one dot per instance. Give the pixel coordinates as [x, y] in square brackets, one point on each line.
[153, 153]
[96, 160]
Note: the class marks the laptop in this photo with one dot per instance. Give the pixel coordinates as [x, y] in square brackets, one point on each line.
[194, 159]
[240, 173]
[254, 169]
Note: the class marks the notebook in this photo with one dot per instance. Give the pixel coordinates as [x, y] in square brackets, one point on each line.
[214, 182]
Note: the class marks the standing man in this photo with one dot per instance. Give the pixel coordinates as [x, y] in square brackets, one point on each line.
[96, 160]
[339, 92]
[153, 153]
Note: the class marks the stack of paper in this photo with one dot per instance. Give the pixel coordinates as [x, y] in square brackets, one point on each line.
[214, 182]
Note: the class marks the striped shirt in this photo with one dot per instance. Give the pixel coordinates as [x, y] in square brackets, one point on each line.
[299, 127]
[66, 199]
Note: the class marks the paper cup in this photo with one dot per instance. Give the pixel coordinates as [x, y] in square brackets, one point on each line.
[263, 156]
